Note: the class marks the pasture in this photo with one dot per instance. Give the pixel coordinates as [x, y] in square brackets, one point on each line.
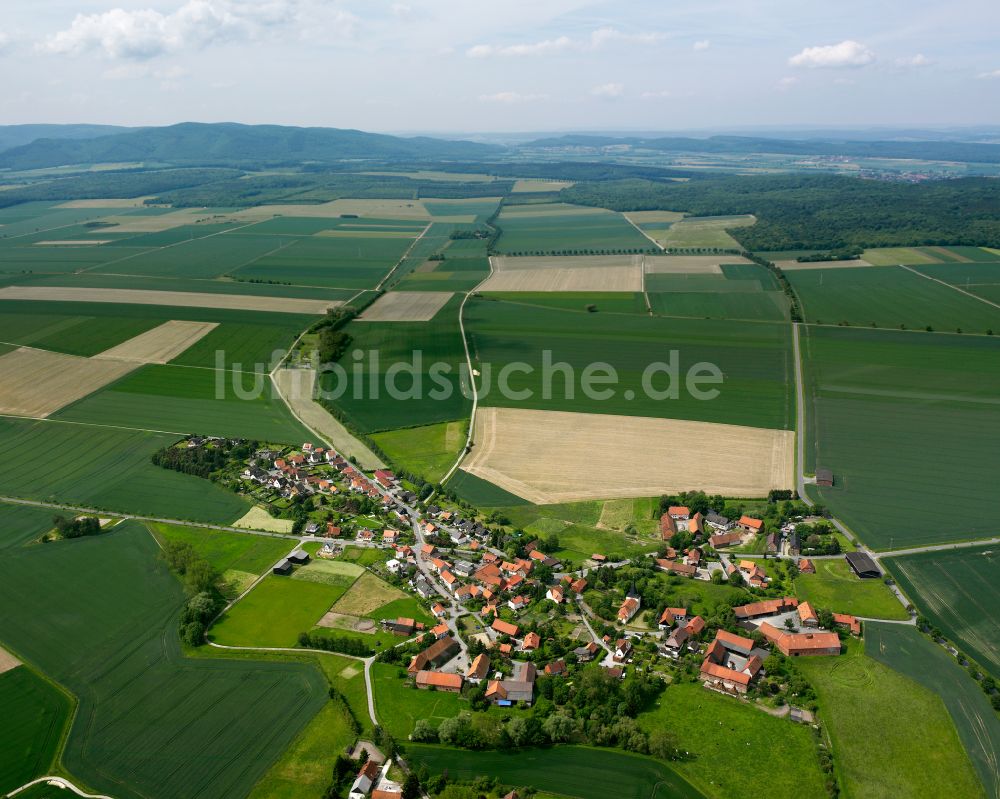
[428, 451]
[904, 400]
[754, 361]
[577, 772]
[275, 612]
[752, 742]
[835, 587]
[959, 591]
[648, 456]
[862, 701]
[888, 297]
[914, 655]
[406, 306]
[35, 716]
[182, 400]
[555, 227]
[111, 471]
[149, 721]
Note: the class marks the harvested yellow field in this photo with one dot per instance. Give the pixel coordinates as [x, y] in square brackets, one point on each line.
[37, 383]
[117, 202]
[549, 457]
[690, 264]
[530, 185]
[653, 217]
[73, 243]
[181, 299]
[161, 344]
[7, 661]
[297, 388]
[259, 519]
[157, 223]
[406, 306]
[368, 594]
[792, 266]
[569, 273]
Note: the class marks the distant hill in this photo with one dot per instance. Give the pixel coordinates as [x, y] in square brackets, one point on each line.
[968, 152]
[230, 144]
[19, 135]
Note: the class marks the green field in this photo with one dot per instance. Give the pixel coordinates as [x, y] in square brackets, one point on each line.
[192, 401]
[246, 339]
[881, 406]
[581, 301]
[835, 587]
[428, 451]
[230, 554]
[907, 651]
[398, 706]
[888, 297]
[21, 524]
[765, 306]
[402, 343]
[275, 612]
[891, 737]
[754, 361]
[150, 722]
[890, 256]
[578, 772]
[554, 227]
[959, 591]
[331, 572]
[481, 493]
[704, 231]
[35, 715]
[718, 729]
[107, 468]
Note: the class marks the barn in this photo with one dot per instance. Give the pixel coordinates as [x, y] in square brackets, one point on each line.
[283, 566]
[863, 565]
[824, 477]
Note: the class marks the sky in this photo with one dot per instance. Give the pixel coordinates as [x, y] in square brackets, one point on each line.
[508, 65]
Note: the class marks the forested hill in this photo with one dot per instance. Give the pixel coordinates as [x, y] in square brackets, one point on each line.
[230, 144]
[819, 211]
[19, 135]
[967, 152]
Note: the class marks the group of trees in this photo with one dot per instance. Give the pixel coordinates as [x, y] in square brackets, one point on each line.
[198, 461]
[76, 528]
[201, 583]
[334, 643]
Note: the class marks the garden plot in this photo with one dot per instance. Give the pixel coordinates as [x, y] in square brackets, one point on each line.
[181, 299]
[566, 273]
[406, 306]
[161, 344]
[578, 456]
[38, 383]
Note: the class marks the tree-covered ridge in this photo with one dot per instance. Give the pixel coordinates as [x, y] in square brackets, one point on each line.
[819, 212]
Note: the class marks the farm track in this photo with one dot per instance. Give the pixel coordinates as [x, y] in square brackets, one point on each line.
[950, 286]
[62, 783]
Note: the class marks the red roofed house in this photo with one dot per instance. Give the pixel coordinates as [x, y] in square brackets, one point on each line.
[504, 628]
[623, 648]
[556, 668]
[750, 524]
[679, 512]
[848, 621]
[439, 681]
[668, 527]
[479, 668]
[806, 566]
[801, 644]
[807, 615]
[729, 666]
[555, 594]
[579, 586]
[766, 607]
[628, 609]
[725, 539]
[666, 619]
[532, 641]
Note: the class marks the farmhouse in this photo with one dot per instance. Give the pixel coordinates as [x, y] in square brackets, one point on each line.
[504, 628]
[439, 681]
[863, 565]
[807, 615]
[436, 655]
[478, 669]
[679, 512]
[725, 539]
[767, 607]
[676, 567]
[629, 608]
[718, 522]
[848, 621]
[668, 527]
[519, 689]
[801, 644]
[750, 525]
[731, 663]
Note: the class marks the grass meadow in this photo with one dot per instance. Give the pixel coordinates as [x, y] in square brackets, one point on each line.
[914, 655]
[891, 736]
[107, 468]
[578, 772]
[959, 591]
[754, 360]
[150, 722]
[835, 587]
[182, 400]
[36, 714]
[398, 705]
[719, 730]
[428, 451]
[900, 417]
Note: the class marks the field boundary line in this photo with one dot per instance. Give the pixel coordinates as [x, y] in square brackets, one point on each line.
[405, 255]
[656, 244]
[950, 286]
[472, 379]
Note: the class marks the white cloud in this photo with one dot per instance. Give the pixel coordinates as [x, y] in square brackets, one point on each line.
[608, 90]
[595, 41]
[994, 75]
[146, 33]
[846, 54]
[918, 60]
[704, 44]
[510, 98]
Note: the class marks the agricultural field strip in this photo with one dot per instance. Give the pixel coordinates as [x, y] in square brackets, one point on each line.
[644, 233]
[161, 344]
[950, 286]
[168, 246]
[404, 256]
[406, 306]
[181, 299]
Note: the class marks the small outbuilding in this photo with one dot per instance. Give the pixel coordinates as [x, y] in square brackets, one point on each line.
[824, 477]
[299, 557]
[283, 566]
[863, 565]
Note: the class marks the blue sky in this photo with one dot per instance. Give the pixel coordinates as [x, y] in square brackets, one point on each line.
[508, 65]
